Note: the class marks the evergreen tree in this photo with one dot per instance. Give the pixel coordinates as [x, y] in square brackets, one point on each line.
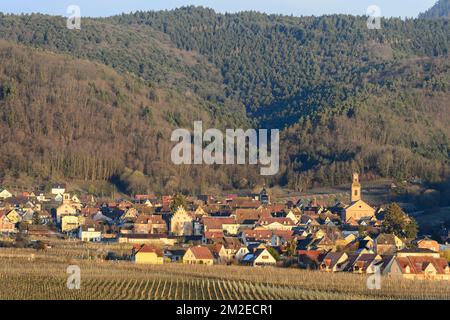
[178, 201]
[396, 221]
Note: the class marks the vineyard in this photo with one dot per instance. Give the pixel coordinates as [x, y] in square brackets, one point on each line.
[26, 274]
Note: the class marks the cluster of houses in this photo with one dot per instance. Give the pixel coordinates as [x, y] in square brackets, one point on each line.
[248, 230]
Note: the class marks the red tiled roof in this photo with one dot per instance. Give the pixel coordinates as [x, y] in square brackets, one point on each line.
[145, 248]
[150, 219]
[251, 214]
[312, 254]
[283, 221]
[258, 234]
[214, 234]
[217, 247]
[216, 223]
[274, 208]
[245, 203]
[202, 253]
[404, 262]
[232, 243]
[418, 265]
[286, 234]
[264, 212]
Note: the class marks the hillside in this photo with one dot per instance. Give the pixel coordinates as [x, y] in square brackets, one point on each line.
[347, 98]
[440, 10]
[65, 118]
[148, 54]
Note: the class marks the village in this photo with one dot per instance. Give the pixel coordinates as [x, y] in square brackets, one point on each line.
[254, 231]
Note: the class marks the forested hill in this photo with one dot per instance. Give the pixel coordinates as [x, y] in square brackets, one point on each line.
[147, 53]
[283, 67]
[440, 10]
[64, 119]
[348, 98]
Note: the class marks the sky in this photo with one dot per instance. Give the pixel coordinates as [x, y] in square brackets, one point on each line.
[102, 8]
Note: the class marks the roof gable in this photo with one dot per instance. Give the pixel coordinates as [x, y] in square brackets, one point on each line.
[201, 253]
[360, 205]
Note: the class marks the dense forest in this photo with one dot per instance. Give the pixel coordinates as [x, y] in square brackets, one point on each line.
[63, 118]
[347, 98]
[440, 10]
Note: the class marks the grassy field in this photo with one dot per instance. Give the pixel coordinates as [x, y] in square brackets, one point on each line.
[27, 274]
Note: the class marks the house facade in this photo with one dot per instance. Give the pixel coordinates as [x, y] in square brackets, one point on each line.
[14, 216]
[259, 258]
[334, 262]
[387, 244]
[65, 209]
[89, 234]
[147, 254]
[428, 244]
[69, 223]
[198, 255]
[152, 224]
[6, 226]
[420, 268]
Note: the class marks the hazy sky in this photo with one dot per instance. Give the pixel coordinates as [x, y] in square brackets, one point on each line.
[395, 8]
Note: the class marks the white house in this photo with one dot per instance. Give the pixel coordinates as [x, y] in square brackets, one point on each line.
[292, 216]
[240, 254]
[89, 234]
[261, 257]
[231, 228]
[58, 189]
[41, 198]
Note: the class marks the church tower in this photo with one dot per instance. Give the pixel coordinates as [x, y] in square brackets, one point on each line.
[264, 197]
[356, 188]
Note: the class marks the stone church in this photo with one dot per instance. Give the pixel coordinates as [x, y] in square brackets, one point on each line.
[357, 209]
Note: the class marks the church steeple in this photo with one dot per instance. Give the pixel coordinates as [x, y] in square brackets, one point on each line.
[356, 188]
